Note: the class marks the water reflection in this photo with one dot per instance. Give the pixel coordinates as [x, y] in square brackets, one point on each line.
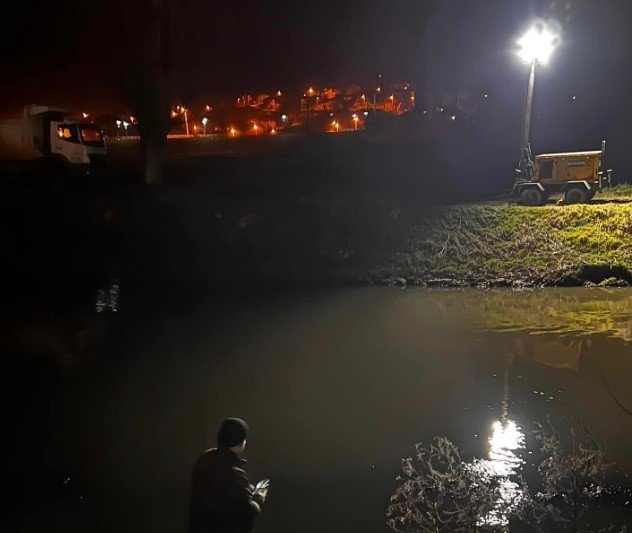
[505, 443]
[388, 367]
[559, 312]
[107, 298]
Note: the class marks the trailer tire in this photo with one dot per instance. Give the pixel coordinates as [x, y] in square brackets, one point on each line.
[532, 196]
[576, 195]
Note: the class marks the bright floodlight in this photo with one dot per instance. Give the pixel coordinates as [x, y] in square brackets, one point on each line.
[537, 44]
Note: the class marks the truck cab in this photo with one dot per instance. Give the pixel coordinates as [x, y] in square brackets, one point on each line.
[77, 143]
[48, 134]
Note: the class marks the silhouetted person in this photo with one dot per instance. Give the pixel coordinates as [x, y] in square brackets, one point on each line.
[222, 498]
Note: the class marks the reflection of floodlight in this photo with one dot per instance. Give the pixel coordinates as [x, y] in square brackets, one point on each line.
[537, 44]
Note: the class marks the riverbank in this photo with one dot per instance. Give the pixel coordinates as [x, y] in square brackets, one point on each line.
[300, 219]
[495, 244]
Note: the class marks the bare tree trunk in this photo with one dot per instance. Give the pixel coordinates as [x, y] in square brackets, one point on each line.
[153, 164]
[149, 82]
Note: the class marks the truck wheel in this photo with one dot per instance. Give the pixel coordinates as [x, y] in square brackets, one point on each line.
[576, 195]
[532, 196]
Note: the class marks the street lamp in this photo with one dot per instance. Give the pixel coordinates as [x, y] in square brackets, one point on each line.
[118, 128]
[308, 95]
[125, 125]
[185, 112]
[355, 121]
[534, 47]
[204, 123]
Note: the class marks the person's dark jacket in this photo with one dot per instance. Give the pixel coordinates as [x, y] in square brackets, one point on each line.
[221, 494]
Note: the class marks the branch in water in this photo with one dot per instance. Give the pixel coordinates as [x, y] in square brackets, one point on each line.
[613, 396]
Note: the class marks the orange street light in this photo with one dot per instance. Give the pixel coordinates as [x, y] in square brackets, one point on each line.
[310, 91]
[255, 127]
[232, 131]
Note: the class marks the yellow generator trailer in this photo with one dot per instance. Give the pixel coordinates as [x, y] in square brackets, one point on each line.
[578, 175]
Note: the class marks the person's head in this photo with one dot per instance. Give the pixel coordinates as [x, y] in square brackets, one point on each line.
[232, 435]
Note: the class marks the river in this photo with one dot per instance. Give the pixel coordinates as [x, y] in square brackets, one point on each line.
[337, 385]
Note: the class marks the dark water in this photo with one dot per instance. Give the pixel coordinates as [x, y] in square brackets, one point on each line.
[337, 387]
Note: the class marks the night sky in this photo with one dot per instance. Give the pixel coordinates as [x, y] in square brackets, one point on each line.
[74, 53]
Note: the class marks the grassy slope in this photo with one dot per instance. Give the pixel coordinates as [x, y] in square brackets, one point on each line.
[482, 243]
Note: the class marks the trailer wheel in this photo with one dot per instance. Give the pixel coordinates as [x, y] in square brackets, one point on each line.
[576, 195]
[532, 196]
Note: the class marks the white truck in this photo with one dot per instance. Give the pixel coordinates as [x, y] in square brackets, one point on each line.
[48, 135]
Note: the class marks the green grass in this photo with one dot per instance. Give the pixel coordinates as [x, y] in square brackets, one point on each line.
[482, 243]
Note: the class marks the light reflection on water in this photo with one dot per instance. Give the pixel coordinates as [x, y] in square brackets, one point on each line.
[107, 299]
[505, 442]
[292, 362]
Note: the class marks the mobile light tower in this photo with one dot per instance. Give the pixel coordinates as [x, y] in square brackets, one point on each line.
[534, 48]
